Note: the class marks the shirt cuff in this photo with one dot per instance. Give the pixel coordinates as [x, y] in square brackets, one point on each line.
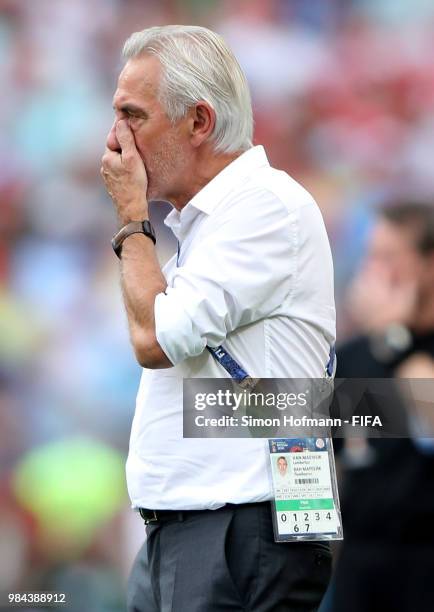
[174, 329]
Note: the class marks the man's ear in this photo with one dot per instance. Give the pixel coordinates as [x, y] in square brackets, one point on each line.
[202, 122]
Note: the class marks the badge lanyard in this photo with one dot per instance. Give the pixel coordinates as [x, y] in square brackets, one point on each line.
[305, 504]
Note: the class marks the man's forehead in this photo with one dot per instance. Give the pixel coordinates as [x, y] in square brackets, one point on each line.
[139, 78]
[390, 237]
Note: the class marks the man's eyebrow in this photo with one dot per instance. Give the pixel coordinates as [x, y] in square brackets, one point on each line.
[131, 108]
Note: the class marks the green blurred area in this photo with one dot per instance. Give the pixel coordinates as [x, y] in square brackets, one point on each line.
[71, 486]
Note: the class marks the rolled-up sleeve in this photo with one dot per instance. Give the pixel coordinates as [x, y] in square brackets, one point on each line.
[234, 274]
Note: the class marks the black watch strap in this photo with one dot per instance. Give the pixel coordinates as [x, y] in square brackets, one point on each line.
[134, 227]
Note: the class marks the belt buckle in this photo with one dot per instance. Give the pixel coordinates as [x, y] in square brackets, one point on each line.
[148, 519]
[152, 519]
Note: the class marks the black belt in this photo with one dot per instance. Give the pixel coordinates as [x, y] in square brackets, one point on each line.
[161, 516]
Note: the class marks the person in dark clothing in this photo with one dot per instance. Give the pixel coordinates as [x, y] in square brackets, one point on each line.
[386, 561]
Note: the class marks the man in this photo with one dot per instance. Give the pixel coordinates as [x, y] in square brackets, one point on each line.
[282, 474]
[392, 298]
[282, 467]
[387, 495]
[254, 273]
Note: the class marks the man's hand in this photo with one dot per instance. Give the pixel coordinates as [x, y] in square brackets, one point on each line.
[419, 365]
[125, 178]
[126, 181]
[419, 393]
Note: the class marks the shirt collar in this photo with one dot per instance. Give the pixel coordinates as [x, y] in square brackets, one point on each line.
[212, 194]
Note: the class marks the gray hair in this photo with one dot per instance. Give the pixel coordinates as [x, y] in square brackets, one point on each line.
[198, 65]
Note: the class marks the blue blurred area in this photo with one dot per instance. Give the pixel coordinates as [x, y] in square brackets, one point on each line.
[343, 97]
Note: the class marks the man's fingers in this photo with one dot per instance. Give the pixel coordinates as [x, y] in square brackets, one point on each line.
[110, 159]
[125, 137]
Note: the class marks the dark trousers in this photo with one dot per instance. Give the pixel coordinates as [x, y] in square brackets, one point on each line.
[383, 576]
[227, 561]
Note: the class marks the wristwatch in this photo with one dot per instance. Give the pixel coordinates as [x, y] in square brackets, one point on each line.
[393, 342]
[135, 227]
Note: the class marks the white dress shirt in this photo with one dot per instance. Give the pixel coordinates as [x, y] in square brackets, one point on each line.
[254, 273]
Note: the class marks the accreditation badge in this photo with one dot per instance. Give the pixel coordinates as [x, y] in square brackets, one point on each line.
[306, 501]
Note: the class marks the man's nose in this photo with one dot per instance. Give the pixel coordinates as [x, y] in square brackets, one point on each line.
[112, 142]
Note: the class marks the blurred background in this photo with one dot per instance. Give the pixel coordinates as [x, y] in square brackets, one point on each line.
[344, 102]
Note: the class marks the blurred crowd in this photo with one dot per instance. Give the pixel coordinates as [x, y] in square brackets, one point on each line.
[343, 100]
